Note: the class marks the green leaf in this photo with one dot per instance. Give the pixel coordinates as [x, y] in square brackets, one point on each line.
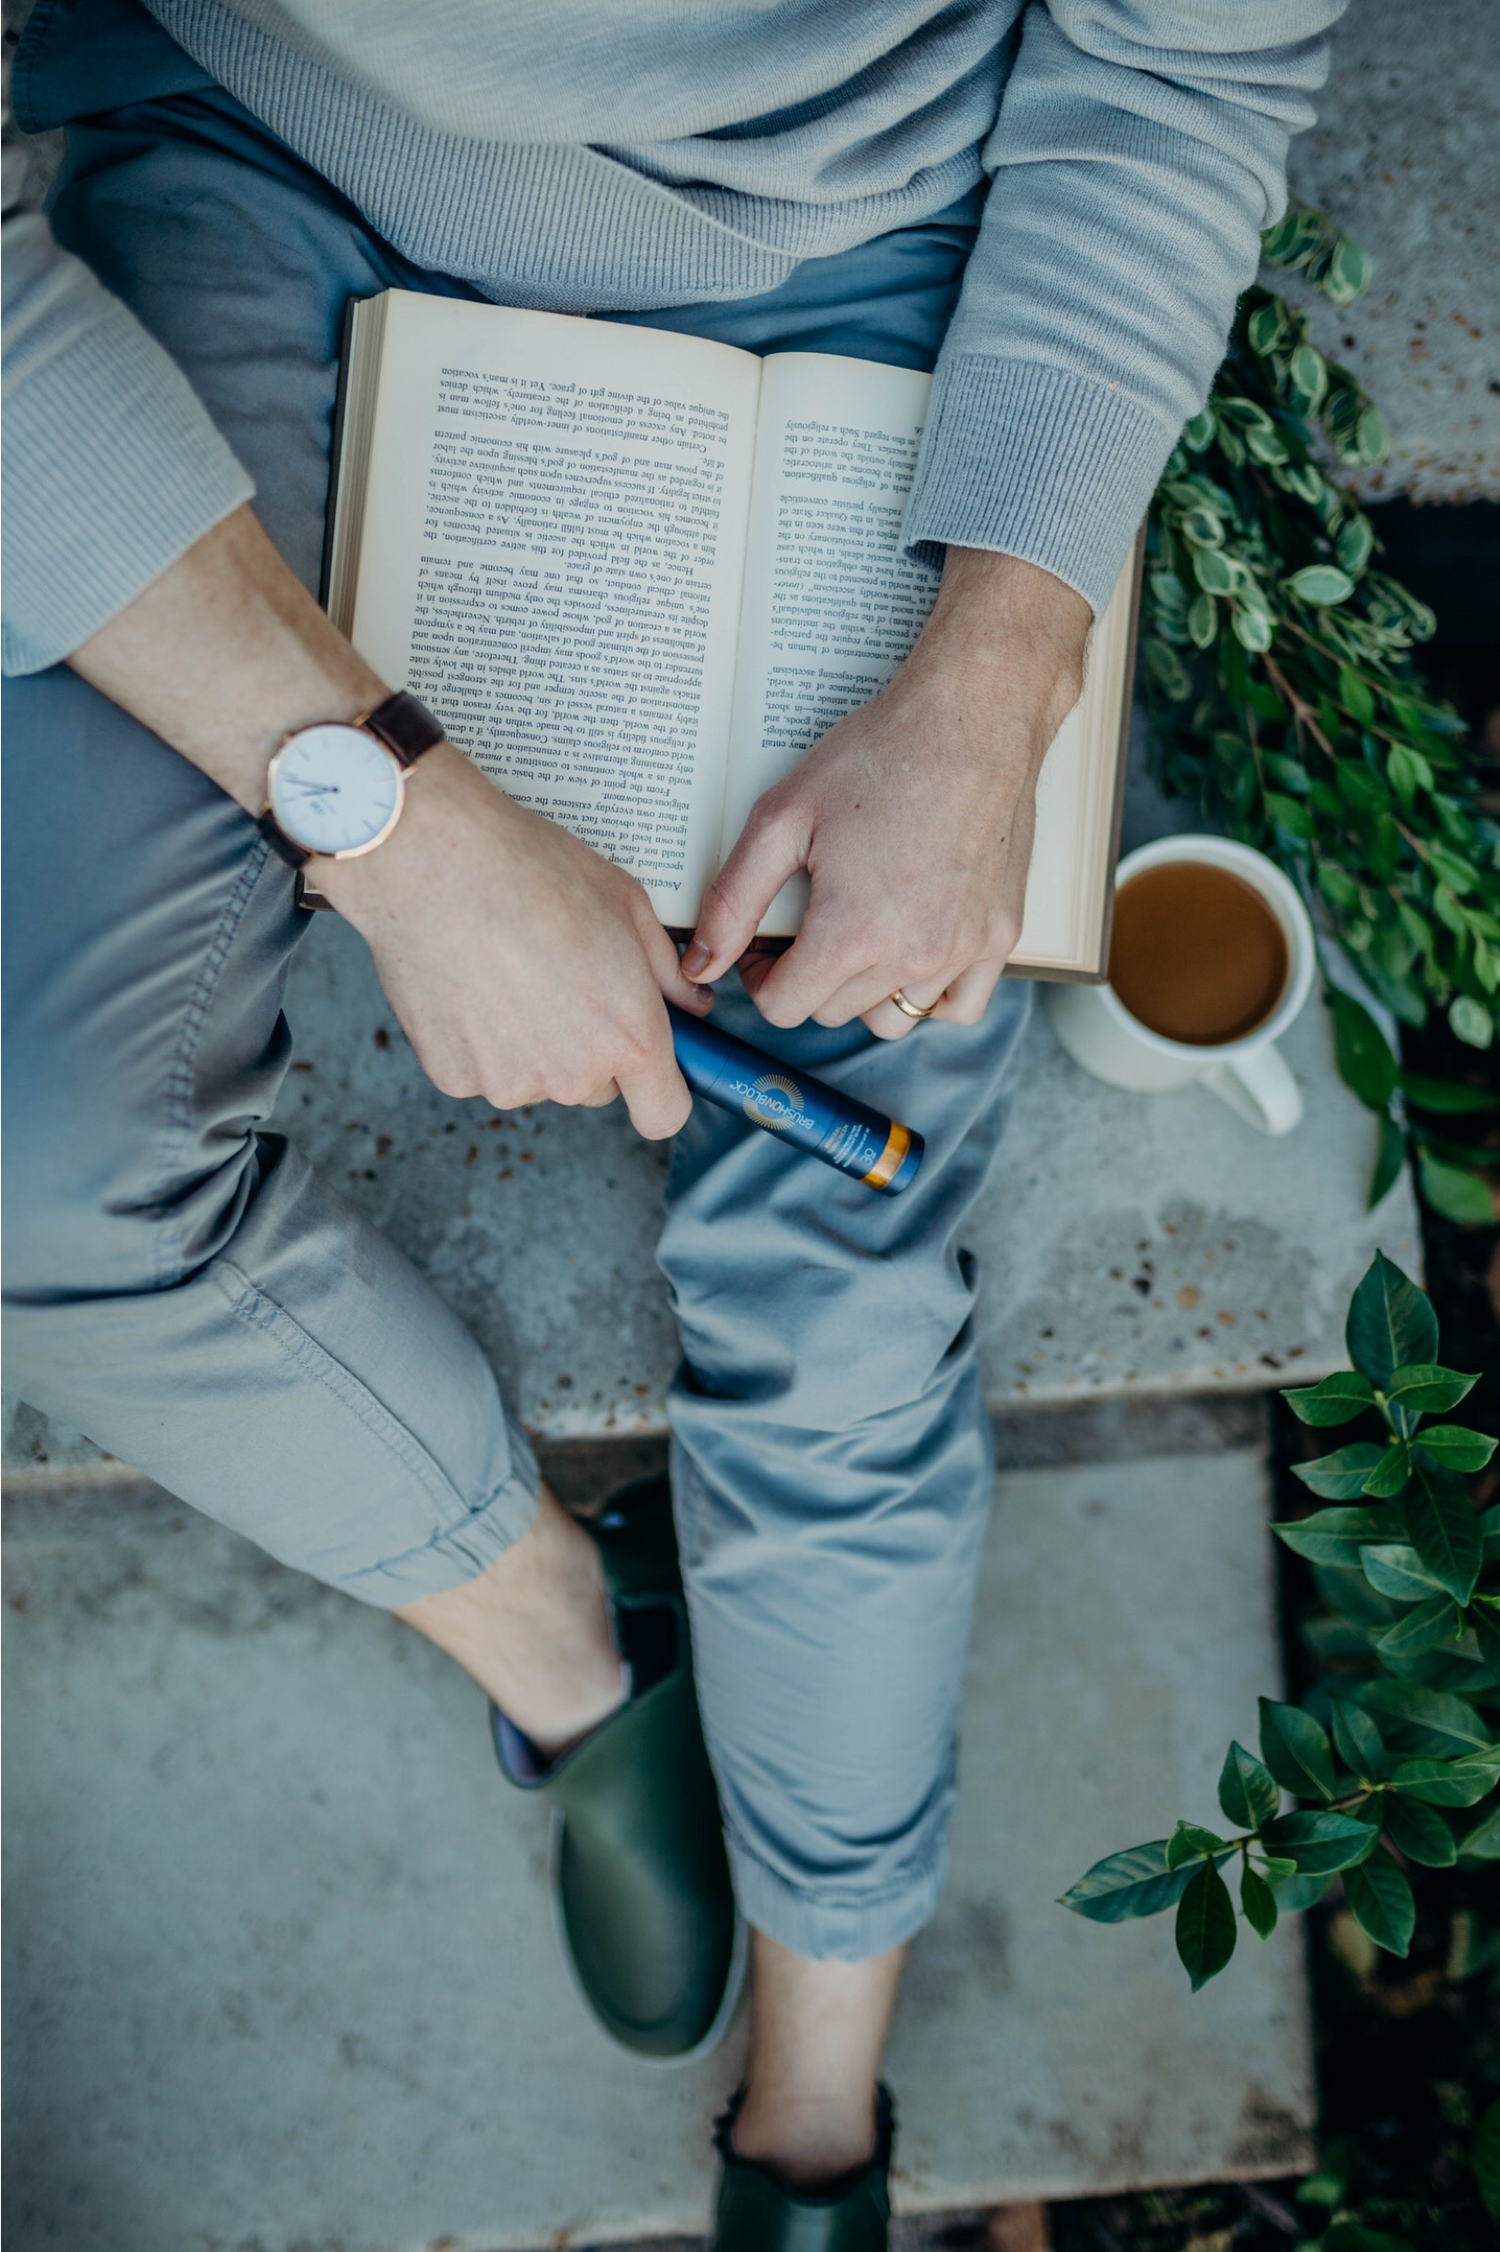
[1320, 1843]
[1265, 326]
[1366, 1063]
[1348, 273]
[1382, 1902]
[1489, 1527]
[1448, 1782]
[1295, 1894]
[1459, 1195]
[1320, 584]
[1390, 1160]
[1357, 1740]
[1422, 1835]
[1336, 1536]
[1136, 1882]
[1427, 1389]
[1190, 1843]
[1340, 1476]
[1428, 1627]
[1247, 1790]
[1338, 1399]
[1289, 814]
[1296, 1750]
[1202, 621]
[1443, 1529]
[1213, 570]
[1397, 1570]
[1391, 1322]
[1356, 696]
[1373, 439]
[1309, 372]
[1202, 527]
[1389, 1476]
[1446, 1094]
[1433, 1721]
[1258, 1902]
[1470, 1021]
[1355, 545]
[1482, 1843]
[1206, 1927]
[1199, 432]
[1253, 630]
[1452, 1447]
[1487, 2160]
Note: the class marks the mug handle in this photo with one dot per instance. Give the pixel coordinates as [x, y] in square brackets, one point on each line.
[1260, 1087]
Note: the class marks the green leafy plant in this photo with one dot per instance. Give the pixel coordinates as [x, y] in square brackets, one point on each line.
[1283, 696]
[1396, 1760]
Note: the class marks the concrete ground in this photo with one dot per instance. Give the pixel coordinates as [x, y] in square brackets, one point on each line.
[282, 1977]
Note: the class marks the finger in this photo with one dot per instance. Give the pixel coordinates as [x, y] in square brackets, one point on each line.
[666, 967]
[602, 1097]
[771, 849]
[968, 996]
[887, 1022]
[656, 1094]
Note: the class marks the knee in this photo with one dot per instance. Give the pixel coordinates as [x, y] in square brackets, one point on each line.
[94, 1204]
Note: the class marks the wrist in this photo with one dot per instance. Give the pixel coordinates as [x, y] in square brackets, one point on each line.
[225, 655]
[1014, 634]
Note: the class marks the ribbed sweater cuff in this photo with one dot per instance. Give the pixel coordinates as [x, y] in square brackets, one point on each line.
[1028, 460]
[113, 469]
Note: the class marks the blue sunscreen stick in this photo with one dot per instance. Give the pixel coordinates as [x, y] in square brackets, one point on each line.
[804, 1111]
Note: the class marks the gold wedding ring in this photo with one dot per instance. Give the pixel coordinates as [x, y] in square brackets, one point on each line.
[909, 1008]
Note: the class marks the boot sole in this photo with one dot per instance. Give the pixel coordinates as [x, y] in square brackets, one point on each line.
[734, 1985]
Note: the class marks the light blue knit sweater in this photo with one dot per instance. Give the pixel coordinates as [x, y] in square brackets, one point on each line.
[593, 155]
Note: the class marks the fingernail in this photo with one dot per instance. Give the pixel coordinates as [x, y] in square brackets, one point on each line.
[697, 958]
[704, 998]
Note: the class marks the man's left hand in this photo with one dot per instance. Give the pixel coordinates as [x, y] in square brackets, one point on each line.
[913, 817]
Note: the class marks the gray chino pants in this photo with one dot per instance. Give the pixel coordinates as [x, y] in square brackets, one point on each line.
[185, 1287]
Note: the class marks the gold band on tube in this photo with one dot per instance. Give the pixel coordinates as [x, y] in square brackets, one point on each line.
[888, 1164]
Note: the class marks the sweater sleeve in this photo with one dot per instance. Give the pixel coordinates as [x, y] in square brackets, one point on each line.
[112, 466]
[1139, 150]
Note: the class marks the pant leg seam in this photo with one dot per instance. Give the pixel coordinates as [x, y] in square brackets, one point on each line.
[258, 1310]
[180, 1075]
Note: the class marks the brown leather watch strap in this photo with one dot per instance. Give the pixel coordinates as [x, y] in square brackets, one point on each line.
[405, 726]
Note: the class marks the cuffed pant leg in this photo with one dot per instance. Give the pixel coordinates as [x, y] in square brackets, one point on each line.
[832, 1475]
[178, 1283]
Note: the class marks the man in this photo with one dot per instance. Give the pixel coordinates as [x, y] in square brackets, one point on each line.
[1055, 204]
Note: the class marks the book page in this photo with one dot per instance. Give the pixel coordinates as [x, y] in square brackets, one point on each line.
[551, 557]
[831, 605]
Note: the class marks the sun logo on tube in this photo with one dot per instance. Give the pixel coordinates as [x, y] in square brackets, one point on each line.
[774, 1101]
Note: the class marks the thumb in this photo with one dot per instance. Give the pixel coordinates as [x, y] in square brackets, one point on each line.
[770, 850]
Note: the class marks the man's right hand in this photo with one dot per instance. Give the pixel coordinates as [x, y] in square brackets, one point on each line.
[523, 967]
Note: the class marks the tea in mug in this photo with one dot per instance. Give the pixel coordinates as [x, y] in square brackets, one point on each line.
[1196, 954]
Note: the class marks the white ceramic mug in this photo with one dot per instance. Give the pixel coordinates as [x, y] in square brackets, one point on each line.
[1099, 1032]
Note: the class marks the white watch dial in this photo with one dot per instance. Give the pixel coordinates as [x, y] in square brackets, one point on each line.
[334, 789]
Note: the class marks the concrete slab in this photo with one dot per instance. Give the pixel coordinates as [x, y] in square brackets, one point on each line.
[1406, 157]
[1130, 1244]
[282, 1974]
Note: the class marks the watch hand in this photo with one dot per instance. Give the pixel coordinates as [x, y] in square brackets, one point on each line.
[312, 789]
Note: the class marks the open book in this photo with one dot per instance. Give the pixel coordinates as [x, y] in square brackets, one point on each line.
[636, 575]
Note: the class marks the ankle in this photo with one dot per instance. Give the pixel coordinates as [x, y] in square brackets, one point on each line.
[809, 2142]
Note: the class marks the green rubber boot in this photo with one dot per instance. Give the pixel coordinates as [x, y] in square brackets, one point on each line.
[640, 1882]
[757, 2213]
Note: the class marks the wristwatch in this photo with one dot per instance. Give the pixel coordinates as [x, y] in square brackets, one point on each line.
[337, 789]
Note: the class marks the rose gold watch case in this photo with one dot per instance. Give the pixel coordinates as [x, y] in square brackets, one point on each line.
[349, 727]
